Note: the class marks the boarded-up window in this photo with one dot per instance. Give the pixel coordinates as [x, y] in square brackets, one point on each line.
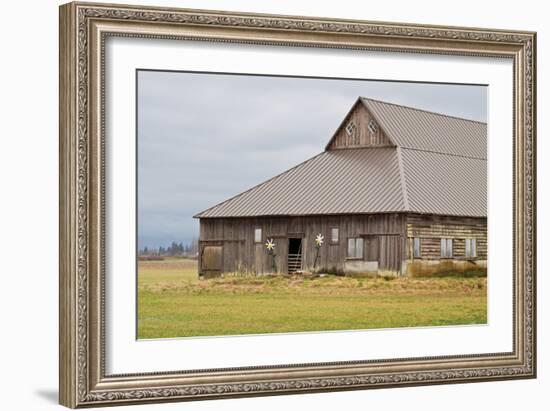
[471, 247]
[446, 248]
[416, 247]
[355, 248]
[212, 258]
[334, 235]
[257, 235]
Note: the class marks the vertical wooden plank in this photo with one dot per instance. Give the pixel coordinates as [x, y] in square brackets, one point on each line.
[258, 259]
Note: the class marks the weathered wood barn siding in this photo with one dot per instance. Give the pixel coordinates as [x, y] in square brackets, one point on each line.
[387, 240]
[383, 234]
[362, 136]
[430, 229]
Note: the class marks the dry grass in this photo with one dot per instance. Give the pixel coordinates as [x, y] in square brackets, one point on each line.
[323, 286]
[172, 302]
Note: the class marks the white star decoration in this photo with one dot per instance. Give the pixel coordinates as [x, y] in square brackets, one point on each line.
[319, 240]
[270, 245]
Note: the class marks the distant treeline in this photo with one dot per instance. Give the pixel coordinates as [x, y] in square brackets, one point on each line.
[190, 249]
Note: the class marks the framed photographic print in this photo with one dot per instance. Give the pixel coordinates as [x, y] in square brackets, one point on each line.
[260, 204]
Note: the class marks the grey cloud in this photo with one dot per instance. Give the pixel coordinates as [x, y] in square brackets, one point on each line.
[205, 137]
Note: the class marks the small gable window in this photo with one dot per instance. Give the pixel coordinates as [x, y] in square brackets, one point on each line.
[350, 128]
[373, 127]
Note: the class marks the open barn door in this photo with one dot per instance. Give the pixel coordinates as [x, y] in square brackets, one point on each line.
[294, 262]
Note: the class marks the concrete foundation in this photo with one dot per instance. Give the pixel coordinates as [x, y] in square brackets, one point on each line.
[357, 267]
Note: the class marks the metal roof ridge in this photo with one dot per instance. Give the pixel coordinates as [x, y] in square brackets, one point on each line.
[441, 152]
[423, 110]
[403, 180]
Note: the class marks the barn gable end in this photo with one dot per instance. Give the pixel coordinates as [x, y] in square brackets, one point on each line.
[359, 129]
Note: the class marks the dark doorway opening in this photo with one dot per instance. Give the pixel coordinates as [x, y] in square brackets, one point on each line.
[295, 246]
[294, 255]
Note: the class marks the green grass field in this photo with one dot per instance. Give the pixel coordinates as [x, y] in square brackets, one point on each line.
[172, 302]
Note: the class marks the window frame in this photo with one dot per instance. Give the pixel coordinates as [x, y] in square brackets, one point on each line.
[355, 255]
[470, 248]
[350, 128]
[372, 126]
[332, 240]
[444, 248]
[256, 241]
[414, 253]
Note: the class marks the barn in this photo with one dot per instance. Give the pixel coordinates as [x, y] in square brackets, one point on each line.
[396, 191]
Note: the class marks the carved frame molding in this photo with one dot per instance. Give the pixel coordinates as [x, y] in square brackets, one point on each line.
[84, 27]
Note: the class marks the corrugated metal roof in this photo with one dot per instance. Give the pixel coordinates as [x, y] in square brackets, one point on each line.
[333, 182]
[408, 127]
[445, 184]
[368, 180]
[438, 166]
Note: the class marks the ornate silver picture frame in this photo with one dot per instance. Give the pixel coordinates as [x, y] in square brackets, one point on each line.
[84, 30]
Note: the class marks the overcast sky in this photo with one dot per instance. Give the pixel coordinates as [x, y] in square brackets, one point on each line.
[203, 138]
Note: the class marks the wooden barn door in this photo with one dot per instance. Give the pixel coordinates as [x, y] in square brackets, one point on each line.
[372, 247]
[211, 261]
[389, 253]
